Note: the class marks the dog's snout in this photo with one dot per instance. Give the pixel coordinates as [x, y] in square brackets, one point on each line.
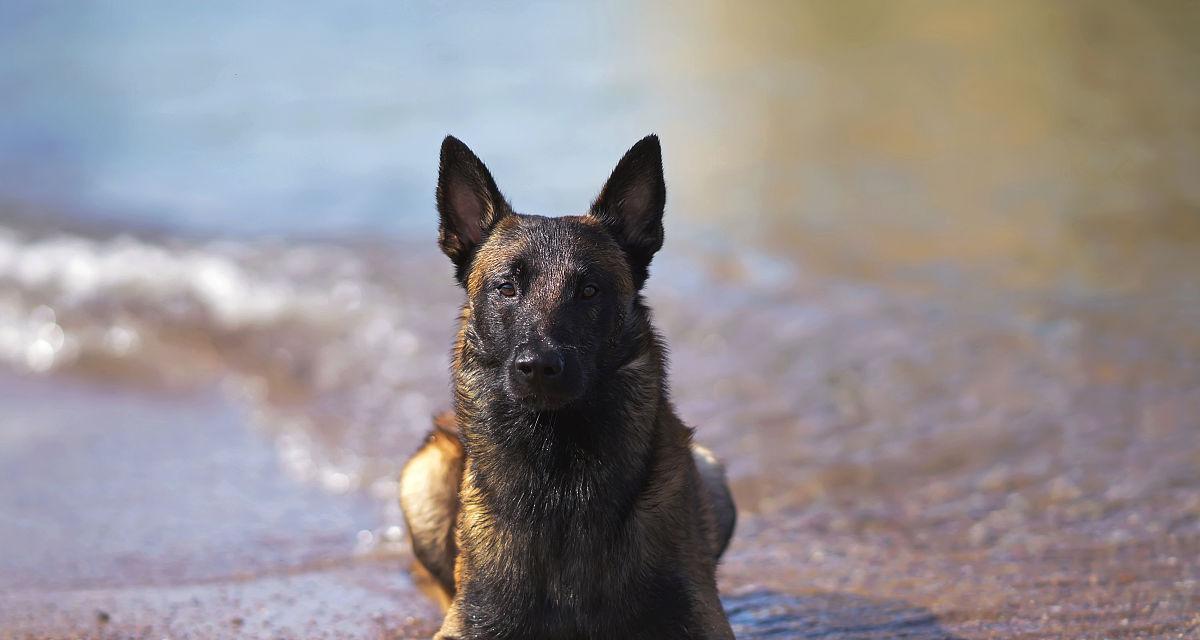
[543, 374]
[533, 364]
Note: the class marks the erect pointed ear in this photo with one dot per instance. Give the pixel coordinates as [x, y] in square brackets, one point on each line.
[468, 202]
[631, 205]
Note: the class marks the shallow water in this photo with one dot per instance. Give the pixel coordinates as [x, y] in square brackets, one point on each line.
[930, 290]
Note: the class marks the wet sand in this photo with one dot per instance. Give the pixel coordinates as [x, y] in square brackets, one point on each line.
[168, 517]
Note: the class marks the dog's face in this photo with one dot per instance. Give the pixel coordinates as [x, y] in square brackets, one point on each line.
[548, 296]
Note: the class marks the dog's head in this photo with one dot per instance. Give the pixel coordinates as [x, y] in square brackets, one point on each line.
[549, 298]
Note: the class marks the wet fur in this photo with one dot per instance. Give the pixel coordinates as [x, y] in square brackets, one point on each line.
[597, 519]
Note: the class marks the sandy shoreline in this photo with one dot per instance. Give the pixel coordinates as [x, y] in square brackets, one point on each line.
[1016, 468]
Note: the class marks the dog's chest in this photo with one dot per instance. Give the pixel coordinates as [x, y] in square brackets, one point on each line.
[574, 577]
[600, 598]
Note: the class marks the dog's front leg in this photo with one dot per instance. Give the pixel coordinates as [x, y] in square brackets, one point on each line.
[452, 626]
[711, 617]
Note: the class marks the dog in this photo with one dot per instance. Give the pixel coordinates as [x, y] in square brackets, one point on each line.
[563, 498]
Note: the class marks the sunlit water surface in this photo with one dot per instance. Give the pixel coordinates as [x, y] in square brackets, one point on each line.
[930, 290]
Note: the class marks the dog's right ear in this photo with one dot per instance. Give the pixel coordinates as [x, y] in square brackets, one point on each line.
[631, 205]
[468, 202]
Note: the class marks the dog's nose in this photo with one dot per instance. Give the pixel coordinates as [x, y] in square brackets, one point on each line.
[535, 364]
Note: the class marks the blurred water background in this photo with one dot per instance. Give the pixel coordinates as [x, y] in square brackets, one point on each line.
[932, 288]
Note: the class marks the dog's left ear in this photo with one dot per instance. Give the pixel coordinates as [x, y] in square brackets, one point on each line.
[631, 205]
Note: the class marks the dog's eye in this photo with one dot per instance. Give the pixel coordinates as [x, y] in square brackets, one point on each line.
[507, 290]
[589, 291]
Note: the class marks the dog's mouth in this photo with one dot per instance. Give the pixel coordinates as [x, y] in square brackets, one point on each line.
[543, 397]
[535, 401]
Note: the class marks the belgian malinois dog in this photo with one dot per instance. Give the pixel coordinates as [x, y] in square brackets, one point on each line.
[563, 498]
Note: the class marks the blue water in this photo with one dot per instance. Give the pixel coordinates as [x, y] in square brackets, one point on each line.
[285, 118]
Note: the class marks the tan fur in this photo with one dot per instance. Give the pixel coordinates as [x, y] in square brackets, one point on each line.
[429, 496]
[492, 257]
